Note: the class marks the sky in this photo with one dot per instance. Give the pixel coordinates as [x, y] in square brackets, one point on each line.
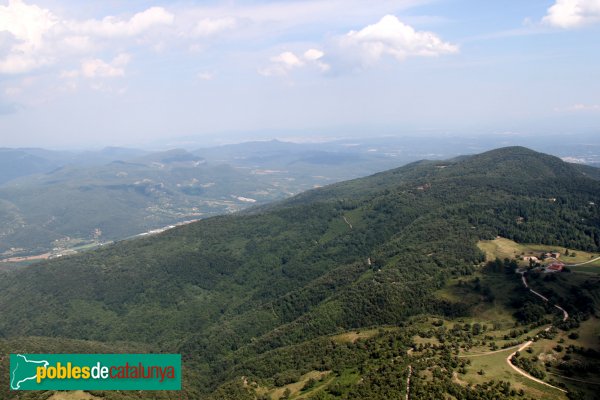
[134, 73]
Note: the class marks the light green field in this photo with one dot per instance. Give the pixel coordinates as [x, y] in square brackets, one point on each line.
[505, 248]
[495, 312]
[496, 367]
[295, 389]
[589, 334]
[351, 337]
[545, 351]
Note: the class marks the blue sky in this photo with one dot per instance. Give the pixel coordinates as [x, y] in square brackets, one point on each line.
[97, 73]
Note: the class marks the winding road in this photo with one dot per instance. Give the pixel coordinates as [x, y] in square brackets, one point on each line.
[347, 222]
[408, 382]
[530, 342]
[525, 345]
[583, 263]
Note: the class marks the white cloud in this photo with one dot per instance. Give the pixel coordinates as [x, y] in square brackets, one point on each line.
[28, 25]
[388, 37]
[313, 54]
[282, 64]
[287, 61]
[69, 74]
[97, 68]
[18, 63]
[584, 107]
[573, 13]
[275, 17]
[212, 26]
[114, 27]
[78, 43]
[393, 38]
[37, 37]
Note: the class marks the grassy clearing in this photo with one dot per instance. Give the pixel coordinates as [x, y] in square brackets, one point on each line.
[496, 312]
[546, 351]
[424, 341]
[505, 248]
[295, 389]
[337, 227]
[352, 337]
[495, 366]
[589, 334]
[499, 247]
[355, 217]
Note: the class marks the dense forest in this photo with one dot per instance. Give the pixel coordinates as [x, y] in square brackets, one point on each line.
[251, 300]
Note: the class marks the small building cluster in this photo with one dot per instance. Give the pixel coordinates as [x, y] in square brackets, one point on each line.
[554, 267]
[552, 254]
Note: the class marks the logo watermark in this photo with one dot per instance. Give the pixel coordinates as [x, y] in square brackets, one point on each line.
[95, 371]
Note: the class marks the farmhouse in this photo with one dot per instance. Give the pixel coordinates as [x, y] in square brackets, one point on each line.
[552, 254]
[554, 267]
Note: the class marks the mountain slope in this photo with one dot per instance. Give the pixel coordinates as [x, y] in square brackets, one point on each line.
[369, 252]
[15, 163]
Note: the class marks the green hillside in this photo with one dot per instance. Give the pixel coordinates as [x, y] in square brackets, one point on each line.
[251, 299]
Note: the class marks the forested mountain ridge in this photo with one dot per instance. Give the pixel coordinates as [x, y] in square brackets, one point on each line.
[230, 290]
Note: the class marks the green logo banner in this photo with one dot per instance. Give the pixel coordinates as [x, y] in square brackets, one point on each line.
[95, 371]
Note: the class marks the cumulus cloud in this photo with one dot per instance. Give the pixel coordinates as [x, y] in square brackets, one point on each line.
[573, 13]
[111, 26]
[37, 37]
[78, 43]
[28, 25]
[391, 37]
[19, 63]
[212, 26]
[315, 56]
[97, 68]
[288, 60]
[388, 37]
[283, 63]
